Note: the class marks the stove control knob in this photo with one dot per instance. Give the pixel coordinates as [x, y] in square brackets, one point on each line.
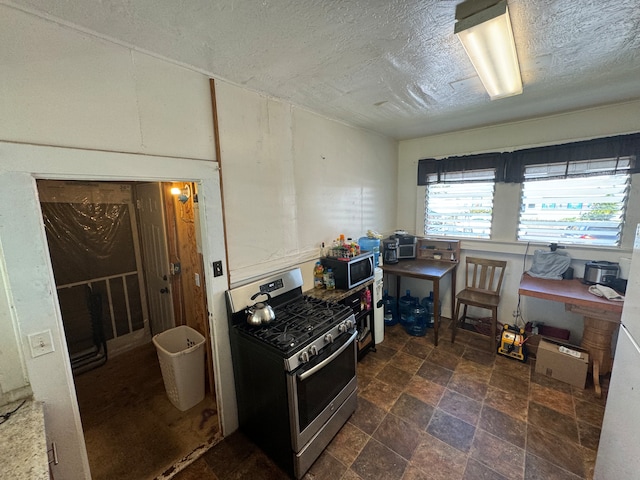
[350, 324]
[304, 357]
[313, 350]
[343, 327]
[328, 338]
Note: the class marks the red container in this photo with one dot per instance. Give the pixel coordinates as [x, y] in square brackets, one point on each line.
[555, 332]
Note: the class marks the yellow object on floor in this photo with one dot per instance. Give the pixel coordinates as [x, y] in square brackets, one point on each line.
[512, 342]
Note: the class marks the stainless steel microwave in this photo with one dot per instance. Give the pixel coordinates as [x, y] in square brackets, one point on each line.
[351, 272]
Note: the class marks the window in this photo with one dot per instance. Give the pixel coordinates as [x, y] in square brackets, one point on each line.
[578, 203]
[461, 205]
[573, 193]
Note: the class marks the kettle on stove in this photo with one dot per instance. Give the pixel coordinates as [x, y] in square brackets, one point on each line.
[261, 312]
[390, 250]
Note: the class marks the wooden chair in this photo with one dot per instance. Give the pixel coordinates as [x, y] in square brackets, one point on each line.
[483, 281]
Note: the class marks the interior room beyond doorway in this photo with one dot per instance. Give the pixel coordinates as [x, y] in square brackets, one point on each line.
[116, 241]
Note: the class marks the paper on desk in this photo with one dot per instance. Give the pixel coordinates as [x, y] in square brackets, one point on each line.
[606, 292]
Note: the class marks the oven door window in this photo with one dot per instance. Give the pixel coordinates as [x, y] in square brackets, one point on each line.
[316, 392]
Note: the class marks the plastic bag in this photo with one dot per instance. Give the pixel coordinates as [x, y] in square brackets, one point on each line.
[549, 264]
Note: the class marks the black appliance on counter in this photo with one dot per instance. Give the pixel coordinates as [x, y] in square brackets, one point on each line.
[295, 377]
[351, 272]
[406, 245]
[601, 272]
[390, 250]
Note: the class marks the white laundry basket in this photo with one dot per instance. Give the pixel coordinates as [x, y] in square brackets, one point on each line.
[181, 355]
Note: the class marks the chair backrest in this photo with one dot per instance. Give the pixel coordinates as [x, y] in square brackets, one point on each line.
[484, 275]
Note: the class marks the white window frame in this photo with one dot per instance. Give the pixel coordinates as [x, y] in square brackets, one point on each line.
[558, 199]
[466, 224]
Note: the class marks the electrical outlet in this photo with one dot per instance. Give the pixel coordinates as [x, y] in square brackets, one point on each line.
[217, 268]
[197, 279]
[41, 343]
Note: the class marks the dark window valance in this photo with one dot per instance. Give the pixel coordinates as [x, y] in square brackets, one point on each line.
[482, 161]
[509, 166]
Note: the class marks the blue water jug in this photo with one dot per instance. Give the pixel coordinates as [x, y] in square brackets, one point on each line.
[371, 245]
[390, 309]
[404, 306]
[427, 302]
[417, 321]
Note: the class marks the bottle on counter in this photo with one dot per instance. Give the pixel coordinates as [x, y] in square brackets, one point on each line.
[318, 275]
[365, 300]
[329, 280]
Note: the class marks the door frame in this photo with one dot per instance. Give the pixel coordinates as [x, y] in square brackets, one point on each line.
[32, 287]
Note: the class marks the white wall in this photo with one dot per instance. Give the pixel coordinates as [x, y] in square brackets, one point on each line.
[592, 123]
[293, 179]
[14, 380]
[62, 87]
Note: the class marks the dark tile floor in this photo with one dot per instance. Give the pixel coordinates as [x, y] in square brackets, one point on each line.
[131, 429]
[452, 412]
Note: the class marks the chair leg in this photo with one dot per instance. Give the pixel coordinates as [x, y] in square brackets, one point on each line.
[464, 314]
[454, 322]
[494, 327]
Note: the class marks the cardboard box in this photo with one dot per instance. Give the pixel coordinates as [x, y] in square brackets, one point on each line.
[553, 363]
[544, 331]
[533, 341]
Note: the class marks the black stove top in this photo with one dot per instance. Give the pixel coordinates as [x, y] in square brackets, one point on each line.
[297, 322]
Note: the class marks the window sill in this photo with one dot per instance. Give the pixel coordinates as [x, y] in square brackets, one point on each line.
[576, 252]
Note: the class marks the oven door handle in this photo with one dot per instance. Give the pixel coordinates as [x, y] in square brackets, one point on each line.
[322, 364]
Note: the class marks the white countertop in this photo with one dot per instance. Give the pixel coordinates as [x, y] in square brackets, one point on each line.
[23, 444]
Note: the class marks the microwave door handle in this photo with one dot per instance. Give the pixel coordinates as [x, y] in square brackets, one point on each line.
[327, 360]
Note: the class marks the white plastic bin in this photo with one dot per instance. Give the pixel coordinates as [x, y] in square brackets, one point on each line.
[181, 355]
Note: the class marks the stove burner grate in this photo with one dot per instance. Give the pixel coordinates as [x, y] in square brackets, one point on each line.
[297, 322]
[285, 339]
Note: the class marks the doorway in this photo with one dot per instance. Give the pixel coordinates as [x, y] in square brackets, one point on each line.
[30, 276]
[93, 238]
[131, 245]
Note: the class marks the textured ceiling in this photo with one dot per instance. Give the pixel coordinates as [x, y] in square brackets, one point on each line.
[391, 66]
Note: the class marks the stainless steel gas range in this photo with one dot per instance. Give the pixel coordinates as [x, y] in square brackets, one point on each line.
[295, 376]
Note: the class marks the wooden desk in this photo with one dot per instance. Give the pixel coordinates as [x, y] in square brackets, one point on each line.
[601, 317]
[432, 270]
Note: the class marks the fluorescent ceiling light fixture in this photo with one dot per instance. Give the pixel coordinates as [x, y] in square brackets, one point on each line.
[484, 28]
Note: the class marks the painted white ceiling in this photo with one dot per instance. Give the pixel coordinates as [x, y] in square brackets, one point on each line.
[391, 66]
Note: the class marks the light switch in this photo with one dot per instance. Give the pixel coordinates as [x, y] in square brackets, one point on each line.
[217, 268]
[41, 343]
